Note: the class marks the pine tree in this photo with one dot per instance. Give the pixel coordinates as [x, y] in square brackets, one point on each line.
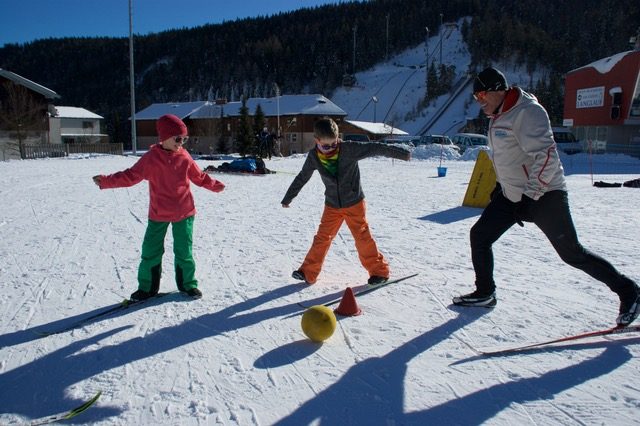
[432, 83]
[258, 126]
[245, 136]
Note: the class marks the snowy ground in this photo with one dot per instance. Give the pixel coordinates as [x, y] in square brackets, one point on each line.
[238, 356]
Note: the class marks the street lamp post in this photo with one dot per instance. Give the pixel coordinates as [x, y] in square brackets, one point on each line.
[426, 80]
[277, 107]
[131, 82]
[441, 39]
[375, 103]
[355, 29]
[426, 46]
[386, 49]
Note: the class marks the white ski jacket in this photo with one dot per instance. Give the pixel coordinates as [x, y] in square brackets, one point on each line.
[523, 151]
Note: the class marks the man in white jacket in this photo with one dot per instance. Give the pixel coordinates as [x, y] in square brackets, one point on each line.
[530, 188]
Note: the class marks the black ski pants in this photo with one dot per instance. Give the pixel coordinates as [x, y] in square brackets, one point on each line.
[552, 215]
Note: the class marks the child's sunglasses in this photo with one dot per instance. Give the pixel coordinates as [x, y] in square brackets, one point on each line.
[181, 139]
[329, 146]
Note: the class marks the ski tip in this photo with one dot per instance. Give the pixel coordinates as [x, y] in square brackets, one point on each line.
[83, 407]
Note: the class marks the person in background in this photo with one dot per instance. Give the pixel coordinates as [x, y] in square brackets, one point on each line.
[169, 168]
[337, 163]
[530, 187]
[263, 144]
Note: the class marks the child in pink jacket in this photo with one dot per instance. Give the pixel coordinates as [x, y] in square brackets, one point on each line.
[168, 168]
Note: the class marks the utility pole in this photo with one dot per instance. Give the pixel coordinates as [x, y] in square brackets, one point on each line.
[426, 45]
[277, 106]
[132, 82]
[426, 49]
[355, 29]
[386, 50]
[441, 30]
[375, 104]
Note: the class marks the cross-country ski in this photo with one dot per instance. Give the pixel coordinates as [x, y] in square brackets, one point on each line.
[580, 336]
[125, 304]
[359, 292]
[66, 415]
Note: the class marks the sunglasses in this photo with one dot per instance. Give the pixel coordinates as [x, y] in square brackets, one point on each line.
[478, 96]
[329, 146]
[181, 139]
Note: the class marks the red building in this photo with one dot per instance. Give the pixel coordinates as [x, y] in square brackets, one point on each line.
[602, 103]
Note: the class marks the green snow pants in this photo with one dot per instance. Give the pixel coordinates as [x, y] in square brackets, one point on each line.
[153, 248]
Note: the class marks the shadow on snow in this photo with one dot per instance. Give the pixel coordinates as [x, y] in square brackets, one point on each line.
[37, 389]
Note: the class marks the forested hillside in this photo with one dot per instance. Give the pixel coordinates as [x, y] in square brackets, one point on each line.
[311, 49]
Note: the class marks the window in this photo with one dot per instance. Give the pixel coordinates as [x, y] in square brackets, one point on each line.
[635, 102]
[602, 133]
[87, 124]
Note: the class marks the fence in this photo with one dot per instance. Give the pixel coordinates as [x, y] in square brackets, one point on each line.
[604, 158]
[63, 150]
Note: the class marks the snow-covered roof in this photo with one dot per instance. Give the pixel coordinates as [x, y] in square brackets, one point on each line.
[605, 65]
[179, 109]
[283, 105]
[75, 112]
[18, 79]
[377, 128]
[82, 134]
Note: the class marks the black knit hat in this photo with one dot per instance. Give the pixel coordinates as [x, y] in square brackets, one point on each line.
[490, 80]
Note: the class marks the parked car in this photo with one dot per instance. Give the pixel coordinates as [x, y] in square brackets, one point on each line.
[356, 137]
[465, 141]
[438, 139]
[402, 139]
[566, 141]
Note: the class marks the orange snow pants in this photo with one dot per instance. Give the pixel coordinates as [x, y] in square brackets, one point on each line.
[330, 223]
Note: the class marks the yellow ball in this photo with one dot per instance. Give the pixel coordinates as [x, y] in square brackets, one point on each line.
[318, 323]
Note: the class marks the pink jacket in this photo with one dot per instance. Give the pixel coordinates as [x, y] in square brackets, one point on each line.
[168, 174]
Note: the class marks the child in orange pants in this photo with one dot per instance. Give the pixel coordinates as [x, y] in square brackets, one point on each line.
[337, 163]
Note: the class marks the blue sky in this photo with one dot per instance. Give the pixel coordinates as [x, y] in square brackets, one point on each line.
[27, 20]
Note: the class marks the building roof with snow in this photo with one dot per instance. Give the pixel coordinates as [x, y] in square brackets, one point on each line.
[271, 107]
[75, 112]
[18, 79]
[180, 109]
[377, 128]
[605, 65]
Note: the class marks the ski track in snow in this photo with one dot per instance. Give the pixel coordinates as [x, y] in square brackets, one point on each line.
[238, 356]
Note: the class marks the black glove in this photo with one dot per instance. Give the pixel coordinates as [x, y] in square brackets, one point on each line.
[496, 191]
[523, 211]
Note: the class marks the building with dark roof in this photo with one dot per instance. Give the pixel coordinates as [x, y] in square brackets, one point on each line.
[292, 116]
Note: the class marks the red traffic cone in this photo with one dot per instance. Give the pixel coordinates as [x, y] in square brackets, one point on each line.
[348, 306]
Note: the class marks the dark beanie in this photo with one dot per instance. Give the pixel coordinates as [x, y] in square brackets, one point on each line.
[490, 80]
[169, 126]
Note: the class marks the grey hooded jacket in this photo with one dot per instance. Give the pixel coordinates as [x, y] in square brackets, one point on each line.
[344, 189]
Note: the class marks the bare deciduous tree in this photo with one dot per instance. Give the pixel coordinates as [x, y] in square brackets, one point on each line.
[20, 113]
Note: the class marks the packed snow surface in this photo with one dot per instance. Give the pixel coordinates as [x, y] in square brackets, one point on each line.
[238, 355]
